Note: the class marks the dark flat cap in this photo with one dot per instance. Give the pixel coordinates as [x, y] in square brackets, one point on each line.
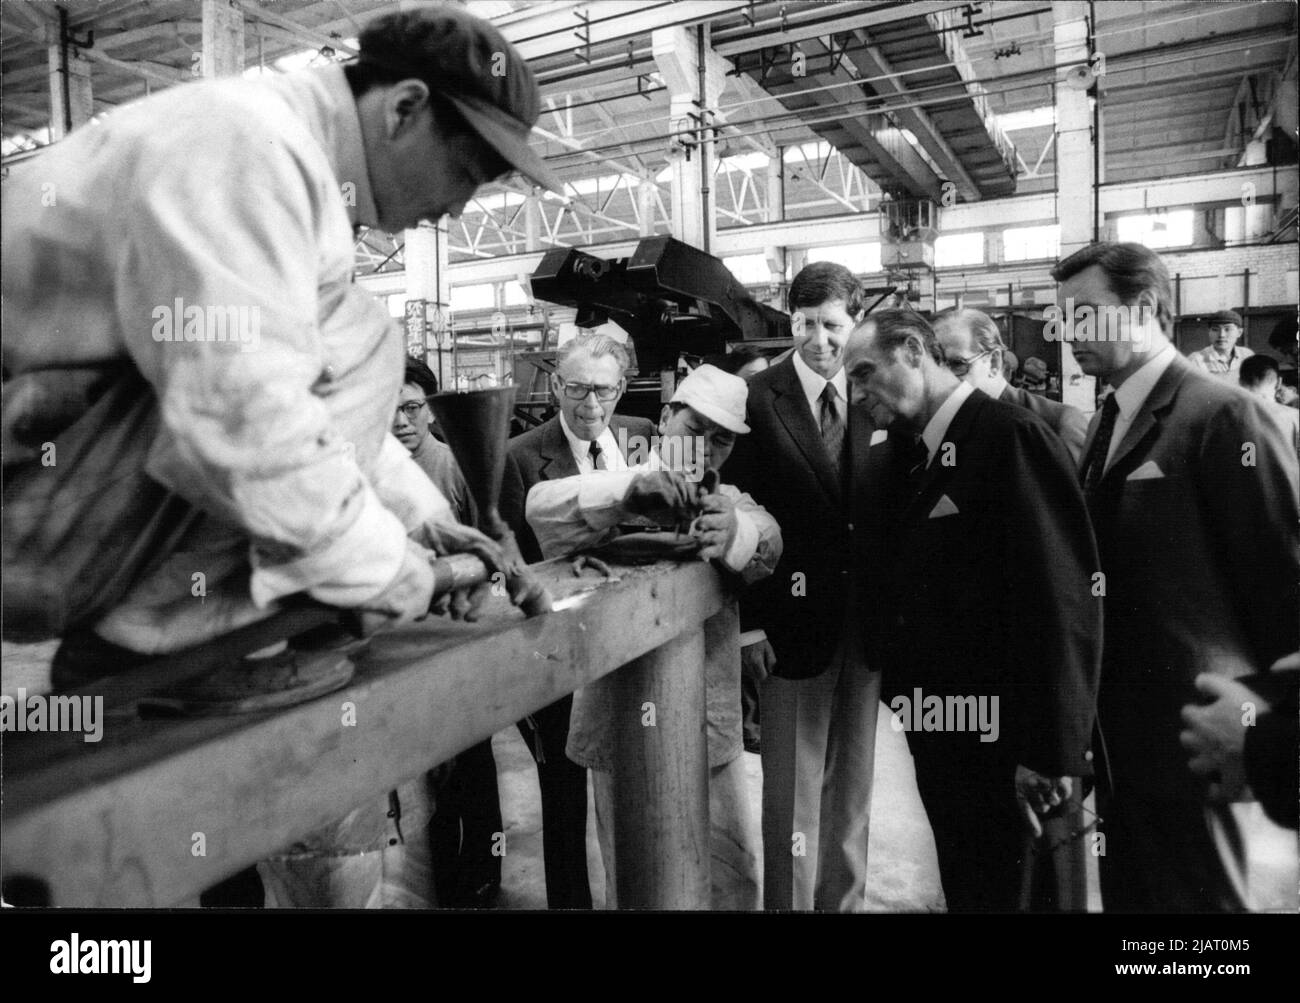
[1225, 317]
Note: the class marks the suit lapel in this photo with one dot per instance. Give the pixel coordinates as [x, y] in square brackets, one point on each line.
[937, 474]
[791, 406]
[557, 457]
[1148, 415]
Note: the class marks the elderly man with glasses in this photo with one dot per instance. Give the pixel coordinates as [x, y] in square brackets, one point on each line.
[584, 436]
[972, 347]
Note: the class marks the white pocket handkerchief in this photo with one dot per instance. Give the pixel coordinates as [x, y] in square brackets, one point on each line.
[1149, 471]
[878, 436]
[944, 507]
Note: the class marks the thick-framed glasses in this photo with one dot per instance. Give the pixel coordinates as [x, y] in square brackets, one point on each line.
[960, 367]
[410, 409]
[579, 391]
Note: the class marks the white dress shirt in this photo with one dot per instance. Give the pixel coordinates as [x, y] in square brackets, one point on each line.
[814, 385]
[610, 454]
[1133, 394]
[937, 427]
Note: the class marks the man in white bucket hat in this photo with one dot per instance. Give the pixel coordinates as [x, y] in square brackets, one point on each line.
[677, 483]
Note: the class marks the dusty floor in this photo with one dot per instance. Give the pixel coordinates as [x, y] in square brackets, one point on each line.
[902, 873]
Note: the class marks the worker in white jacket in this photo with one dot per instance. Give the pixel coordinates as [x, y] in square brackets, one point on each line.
[203, 239]
[697, 431]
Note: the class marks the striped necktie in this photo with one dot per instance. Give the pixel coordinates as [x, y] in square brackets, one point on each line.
[832, 426]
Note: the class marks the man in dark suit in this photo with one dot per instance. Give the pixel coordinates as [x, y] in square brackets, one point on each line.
[1193, 492]
[585, 435]
[979, 608]
[973, 349]
[803, 461]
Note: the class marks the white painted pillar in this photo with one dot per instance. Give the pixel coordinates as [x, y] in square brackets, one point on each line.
[647, 203]
[1074, 151]
[676, 52]
[223, 39]
[427, 279]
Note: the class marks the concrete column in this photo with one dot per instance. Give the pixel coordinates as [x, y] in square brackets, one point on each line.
[533, 223]
[661, 778]
[223, 39]
[776, 275]
[647, 203]
[427, 279]
[1074, 149]
[677, 55]
[776, 187]
[71, 101]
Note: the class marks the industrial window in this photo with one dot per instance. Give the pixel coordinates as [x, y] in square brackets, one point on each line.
[860, 259]
[954, 249]
[476, 297]
[516, 294]
[1027, 243]
[749, 269]
[1161, 229]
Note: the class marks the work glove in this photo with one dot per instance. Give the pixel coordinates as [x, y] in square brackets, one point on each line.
[663, 496]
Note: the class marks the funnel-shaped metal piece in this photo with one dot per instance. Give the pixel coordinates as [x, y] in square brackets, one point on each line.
[477, 427]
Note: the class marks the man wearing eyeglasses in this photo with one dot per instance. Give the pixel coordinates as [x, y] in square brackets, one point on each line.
[972, 346]
[584, 436]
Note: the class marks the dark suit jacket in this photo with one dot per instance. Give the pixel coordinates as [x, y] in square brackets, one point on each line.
[1202, 563]
[543, 454]
[783, 465]
[995, 597]
[1066, 421]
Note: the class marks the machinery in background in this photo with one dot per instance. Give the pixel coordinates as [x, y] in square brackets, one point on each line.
[671, 298]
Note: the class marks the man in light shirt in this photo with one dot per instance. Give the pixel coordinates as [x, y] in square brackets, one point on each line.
[1261, 376]
[977, 599]
[1223, 357]
[584, 436]
[696, 433]
[1192, 489]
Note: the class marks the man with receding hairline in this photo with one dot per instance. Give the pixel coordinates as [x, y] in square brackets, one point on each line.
[1192, 490]
[979, 558]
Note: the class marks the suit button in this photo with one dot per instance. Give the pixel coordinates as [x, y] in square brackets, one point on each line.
[850, 527]
[899, 619]
[1087, 756]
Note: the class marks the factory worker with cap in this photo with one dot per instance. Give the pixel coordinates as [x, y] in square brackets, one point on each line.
[1222, 357]
[676, 483]
[199, 245]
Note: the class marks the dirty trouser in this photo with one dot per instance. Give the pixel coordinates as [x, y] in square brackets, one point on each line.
[819, 750]
[733, 857]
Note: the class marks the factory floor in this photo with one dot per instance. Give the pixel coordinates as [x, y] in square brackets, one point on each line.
[902, 870]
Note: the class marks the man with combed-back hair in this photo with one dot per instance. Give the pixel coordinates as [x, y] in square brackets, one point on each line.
[1192, 489]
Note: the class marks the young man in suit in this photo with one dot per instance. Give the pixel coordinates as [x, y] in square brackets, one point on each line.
[972, 347]
[978, 608]
[1192, 489]
[585, 435]
[803, 461]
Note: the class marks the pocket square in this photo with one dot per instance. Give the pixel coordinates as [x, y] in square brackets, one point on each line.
[942, 508]
[1149, 471]
[878, 436]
